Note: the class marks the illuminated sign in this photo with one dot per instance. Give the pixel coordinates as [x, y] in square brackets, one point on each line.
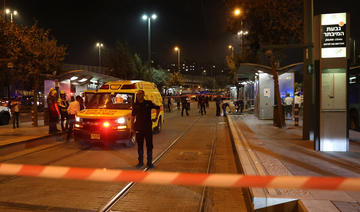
[333, 35]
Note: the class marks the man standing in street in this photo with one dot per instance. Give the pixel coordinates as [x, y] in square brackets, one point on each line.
[202, 105]
[54, 113]
[72, 110]
[63, 106]
[218, 101]
[169, 104]
[184, 106]
[15, 110]
[141, 114]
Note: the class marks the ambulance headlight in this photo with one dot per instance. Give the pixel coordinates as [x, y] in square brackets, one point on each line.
[121, 120]
[78, 119]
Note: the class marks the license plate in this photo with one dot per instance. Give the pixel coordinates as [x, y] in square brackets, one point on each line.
[95, 136]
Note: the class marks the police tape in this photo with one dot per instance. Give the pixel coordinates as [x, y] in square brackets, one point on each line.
[178, 178]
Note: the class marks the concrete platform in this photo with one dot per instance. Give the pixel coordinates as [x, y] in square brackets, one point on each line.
[267, 150]
[26, 132]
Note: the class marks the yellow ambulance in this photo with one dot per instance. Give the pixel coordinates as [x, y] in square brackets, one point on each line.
[107, 115]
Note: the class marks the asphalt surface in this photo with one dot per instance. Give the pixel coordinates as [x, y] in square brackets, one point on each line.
[195, 135]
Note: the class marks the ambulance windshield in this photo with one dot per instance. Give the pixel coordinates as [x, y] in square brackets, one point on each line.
[108, 100]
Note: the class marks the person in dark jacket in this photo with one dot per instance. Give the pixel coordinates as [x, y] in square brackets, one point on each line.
[54, 113]
[202, 105]
[184, 106]
[63, 106]
[218, 101]
[169, 104]
[141, 114]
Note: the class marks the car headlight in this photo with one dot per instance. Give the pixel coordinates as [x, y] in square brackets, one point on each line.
[78, 119]
[121, 120]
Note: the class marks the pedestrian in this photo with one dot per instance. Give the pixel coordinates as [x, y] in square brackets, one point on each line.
[63, 106]
[298, 99]
[218, 101]
[54, 113]
[224, 106]
[169, 104]
[143, 127]
[207, 101]
[81, 102]
[202, 105]
[198, 101]
[288, 101]
[15, 111]
[239, 106]
[184, 106]
[72, 110]
[178, 103]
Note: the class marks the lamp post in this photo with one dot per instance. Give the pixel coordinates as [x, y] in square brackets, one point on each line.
[99, 45]
[242, 33]
[177, 49]
[148, 19]
[11, 13]
[232, 50]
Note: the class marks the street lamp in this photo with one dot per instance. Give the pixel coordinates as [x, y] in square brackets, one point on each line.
[148, 18]
[177, 49]
[232, 50]
[242, 33]
[99, 45]
[237, 12]
[11, 13]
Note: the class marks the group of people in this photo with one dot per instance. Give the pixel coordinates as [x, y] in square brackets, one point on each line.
[63, 110]
[290, 103]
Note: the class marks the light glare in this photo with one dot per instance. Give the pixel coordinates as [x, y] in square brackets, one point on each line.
[237, 12]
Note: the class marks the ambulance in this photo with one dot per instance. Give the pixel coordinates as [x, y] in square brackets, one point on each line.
[106, 118]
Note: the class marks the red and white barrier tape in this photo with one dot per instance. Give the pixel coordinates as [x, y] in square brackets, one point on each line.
[177, 178]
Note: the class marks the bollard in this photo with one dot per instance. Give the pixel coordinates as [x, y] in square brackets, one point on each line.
[296, 114]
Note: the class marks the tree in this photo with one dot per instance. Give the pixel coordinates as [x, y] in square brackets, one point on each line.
[121, 62]
[36, 55]
[175, 79]
[269, 22]
[141, 70]
[5, 42]
[159, 77]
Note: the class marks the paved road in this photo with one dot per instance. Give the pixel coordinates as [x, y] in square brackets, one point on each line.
[195, 135]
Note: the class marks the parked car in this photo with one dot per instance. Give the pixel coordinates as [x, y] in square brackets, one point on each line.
[4, 115]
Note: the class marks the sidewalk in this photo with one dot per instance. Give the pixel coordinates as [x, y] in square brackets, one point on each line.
[267, 150]
[25, 132]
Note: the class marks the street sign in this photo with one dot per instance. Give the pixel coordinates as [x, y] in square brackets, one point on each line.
[333, 35]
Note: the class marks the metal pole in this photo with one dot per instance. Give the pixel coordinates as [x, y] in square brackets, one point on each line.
[11, 17]
[149, 42]
[354, 52]
[4, 10]
[308, 115]
[100, 55]
[179, 60]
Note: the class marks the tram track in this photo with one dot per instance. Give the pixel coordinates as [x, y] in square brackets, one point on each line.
[208, 170]
[35, 151]
[107, 207]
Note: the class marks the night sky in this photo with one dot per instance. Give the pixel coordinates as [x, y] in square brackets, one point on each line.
[197, 26]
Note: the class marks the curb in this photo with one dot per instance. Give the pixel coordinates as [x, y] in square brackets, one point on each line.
[251, 165]
[25, 141]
